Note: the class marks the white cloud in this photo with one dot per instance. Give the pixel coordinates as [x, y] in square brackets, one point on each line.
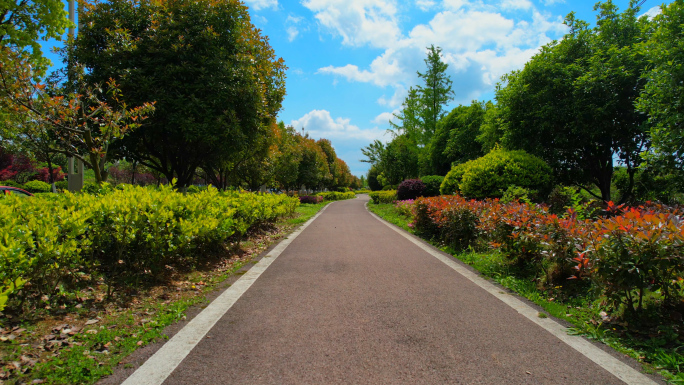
[516, 4]
[653, 12]
[385, 117]
[293, 26]
[262, 4]
[292, 33]
[358, 22]
[552, 2]
[397, 98]
[320, 124]
[425, 5]
[479, 42]
[454, 5]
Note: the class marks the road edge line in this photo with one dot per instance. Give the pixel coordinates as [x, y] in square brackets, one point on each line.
[165, 360]
[611, 364]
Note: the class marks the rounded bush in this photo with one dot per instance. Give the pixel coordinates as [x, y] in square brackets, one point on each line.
[410, 189]
[11, 183]
[491, 175]
[432, 185]
[36, 186]
[450, 183]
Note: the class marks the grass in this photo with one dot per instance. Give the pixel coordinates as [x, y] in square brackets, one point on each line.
[305, 212]
[652, 340]
[80, 344]
[388, 212]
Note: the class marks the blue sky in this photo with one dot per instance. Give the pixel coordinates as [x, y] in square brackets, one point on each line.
[352, 61]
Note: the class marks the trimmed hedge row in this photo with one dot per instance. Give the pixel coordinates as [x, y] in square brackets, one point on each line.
[336, 196]
[383, 196]
[628, 255]
[132, 233]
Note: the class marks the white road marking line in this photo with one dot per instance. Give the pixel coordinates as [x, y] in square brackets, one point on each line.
[614, 366]
[158, 367]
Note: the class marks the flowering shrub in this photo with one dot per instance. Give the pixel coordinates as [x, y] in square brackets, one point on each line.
[310, 199]
[406, 208]
[410, 189]
[626, 254]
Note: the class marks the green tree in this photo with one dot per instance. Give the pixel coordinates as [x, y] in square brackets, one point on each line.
[79, 124]
[373, 152]
[409, 117]
[400, 160]
[455, 138]
[435, 93]
[287, 157]
[330, 155]
[313, 166]
[216, 80]
[492, 128]
[663, 97]
[23, 23]
[573, 103]
[373, 182]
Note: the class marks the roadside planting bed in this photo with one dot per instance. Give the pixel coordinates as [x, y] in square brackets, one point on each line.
[88, 278]
[617, 277]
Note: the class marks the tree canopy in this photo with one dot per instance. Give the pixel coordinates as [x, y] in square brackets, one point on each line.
[216, 81]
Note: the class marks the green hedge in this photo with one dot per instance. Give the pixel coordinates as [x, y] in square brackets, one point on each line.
[128, 234]
[336, 196]
[383, 196]
[36, 186]
[491, 175]
[432, 184]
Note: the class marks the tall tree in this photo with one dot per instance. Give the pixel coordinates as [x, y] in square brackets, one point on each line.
[216, 80]
[79, 124]
[409, 118]
[435, 93]
[313, 165]
[663, 96]
[23, 23]
[573, 103]
[455, 139]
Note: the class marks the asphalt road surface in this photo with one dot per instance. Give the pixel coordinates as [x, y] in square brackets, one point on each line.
[352, 301]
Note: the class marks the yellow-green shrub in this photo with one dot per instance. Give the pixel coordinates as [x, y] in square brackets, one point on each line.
[491, 175]
[336, 196]
[388, 196]
[132, 232]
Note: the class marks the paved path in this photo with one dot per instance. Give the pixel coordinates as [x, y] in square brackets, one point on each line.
[351, 301]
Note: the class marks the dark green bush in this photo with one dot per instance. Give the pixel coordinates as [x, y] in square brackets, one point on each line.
[649, 185]
[11, 183]
[36, 186]
[410, 189]
[491, 175]
[62, 185]
[432, 185]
